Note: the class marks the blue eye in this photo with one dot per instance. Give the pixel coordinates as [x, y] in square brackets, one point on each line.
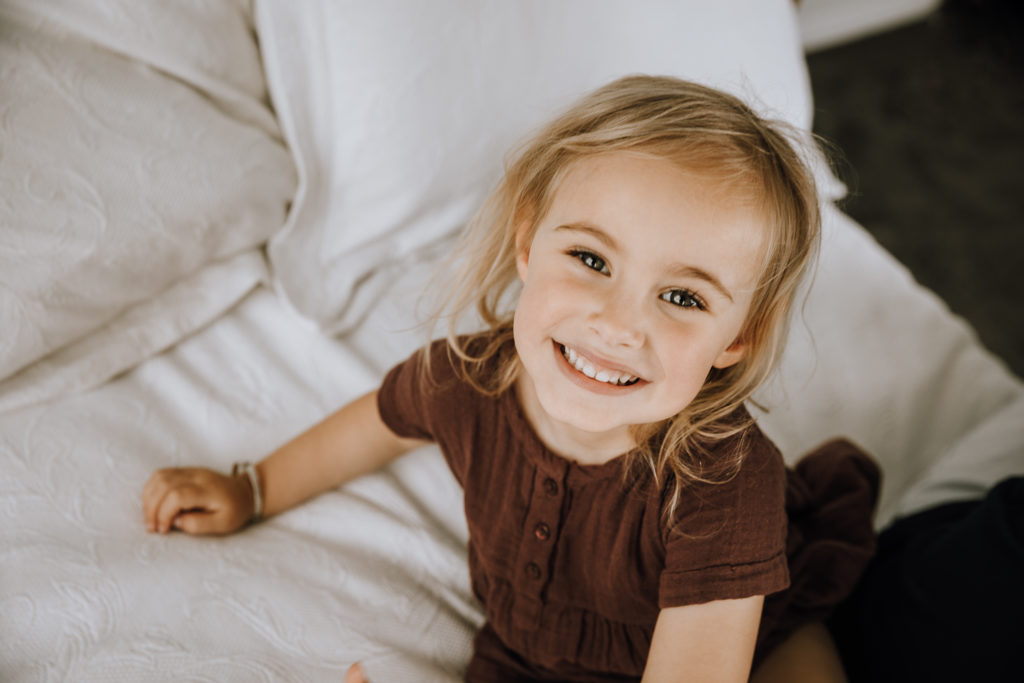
[591, 260]
[683, 298]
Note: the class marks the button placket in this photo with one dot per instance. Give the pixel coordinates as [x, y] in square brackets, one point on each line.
[537, 543]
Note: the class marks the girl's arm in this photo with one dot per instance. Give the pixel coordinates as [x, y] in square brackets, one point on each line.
[713, 641]
[351, 442]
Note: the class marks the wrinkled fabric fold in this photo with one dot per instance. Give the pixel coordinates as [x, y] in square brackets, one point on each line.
[831, 495]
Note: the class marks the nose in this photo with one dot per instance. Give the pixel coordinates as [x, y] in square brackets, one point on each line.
[618, 321]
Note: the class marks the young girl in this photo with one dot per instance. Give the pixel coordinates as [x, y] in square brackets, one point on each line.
[634, 273]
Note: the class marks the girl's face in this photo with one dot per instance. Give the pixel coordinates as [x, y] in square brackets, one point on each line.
[635, 284]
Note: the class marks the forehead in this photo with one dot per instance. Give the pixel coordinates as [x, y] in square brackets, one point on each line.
[664, 212]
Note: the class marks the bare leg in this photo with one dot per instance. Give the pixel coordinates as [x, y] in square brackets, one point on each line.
[807, 656]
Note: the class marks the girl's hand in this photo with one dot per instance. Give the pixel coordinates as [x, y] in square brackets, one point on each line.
[196, 501]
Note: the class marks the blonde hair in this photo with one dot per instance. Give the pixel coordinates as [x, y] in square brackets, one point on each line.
[703, 130]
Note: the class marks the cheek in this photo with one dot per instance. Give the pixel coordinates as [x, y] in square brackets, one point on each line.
[532, 314]
[687, 350]
[548, 293]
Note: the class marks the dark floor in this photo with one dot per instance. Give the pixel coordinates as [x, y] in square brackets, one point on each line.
[930, 119]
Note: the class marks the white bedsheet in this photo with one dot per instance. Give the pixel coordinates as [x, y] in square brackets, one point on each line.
[877, 358]
[142, 171]
[375, 571]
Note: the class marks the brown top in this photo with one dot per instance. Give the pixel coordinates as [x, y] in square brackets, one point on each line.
[572, 565]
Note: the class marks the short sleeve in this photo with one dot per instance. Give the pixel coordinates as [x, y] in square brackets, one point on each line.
[408, 399]
[437, 406]
[729, 539]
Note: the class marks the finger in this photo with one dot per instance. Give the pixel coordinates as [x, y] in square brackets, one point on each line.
[177, 500]
[197, 523]
[208, 521]
[152, 493]
[161, 483]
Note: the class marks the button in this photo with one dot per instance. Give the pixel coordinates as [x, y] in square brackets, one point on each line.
[551, 487]
[533, 570]
[542, 531]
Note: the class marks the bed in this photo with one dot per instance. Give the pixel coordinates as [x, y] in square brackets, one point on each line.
[216, 220]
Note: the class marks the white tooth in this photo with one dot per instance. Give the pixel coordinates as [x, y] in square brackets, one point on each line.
[626, 379]
[589, 371]
[579, 364]
[572, 356]
[602, 376]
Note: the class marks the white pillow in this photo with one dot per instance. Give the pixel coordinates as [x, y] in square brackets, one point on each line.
[400, 113]
[138, 150]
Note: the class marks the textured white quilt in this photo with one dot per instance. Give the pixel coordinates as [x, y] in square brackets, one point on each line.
[375, 571]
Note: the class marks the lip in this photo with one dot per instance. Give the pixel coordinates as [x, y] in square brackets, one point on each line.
[593, 385]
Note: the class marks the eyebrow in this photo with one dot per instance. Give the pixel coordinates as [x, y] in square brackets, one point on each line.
[675, 270]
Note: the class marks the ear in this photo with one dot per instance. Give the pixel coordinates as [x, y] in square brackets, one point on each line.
[732, 355]
[523, 242]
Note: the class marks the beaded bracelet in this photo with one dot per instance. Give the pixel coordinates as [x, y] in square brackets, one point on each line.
[254, 481]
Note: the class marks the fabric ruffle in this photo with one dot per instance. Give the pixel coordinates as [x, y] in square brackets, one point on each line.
[830, 502]
[571, 634]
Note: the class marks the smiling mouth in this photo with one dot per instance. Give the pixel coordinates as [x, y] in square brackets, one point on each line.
[587, 367]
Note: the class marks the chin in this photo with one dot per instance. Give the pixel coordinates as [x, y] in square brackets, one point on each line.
[592, 421]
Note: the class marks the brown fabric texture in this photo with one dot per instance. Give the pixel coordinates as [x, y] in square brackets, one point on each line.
[573, 563]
